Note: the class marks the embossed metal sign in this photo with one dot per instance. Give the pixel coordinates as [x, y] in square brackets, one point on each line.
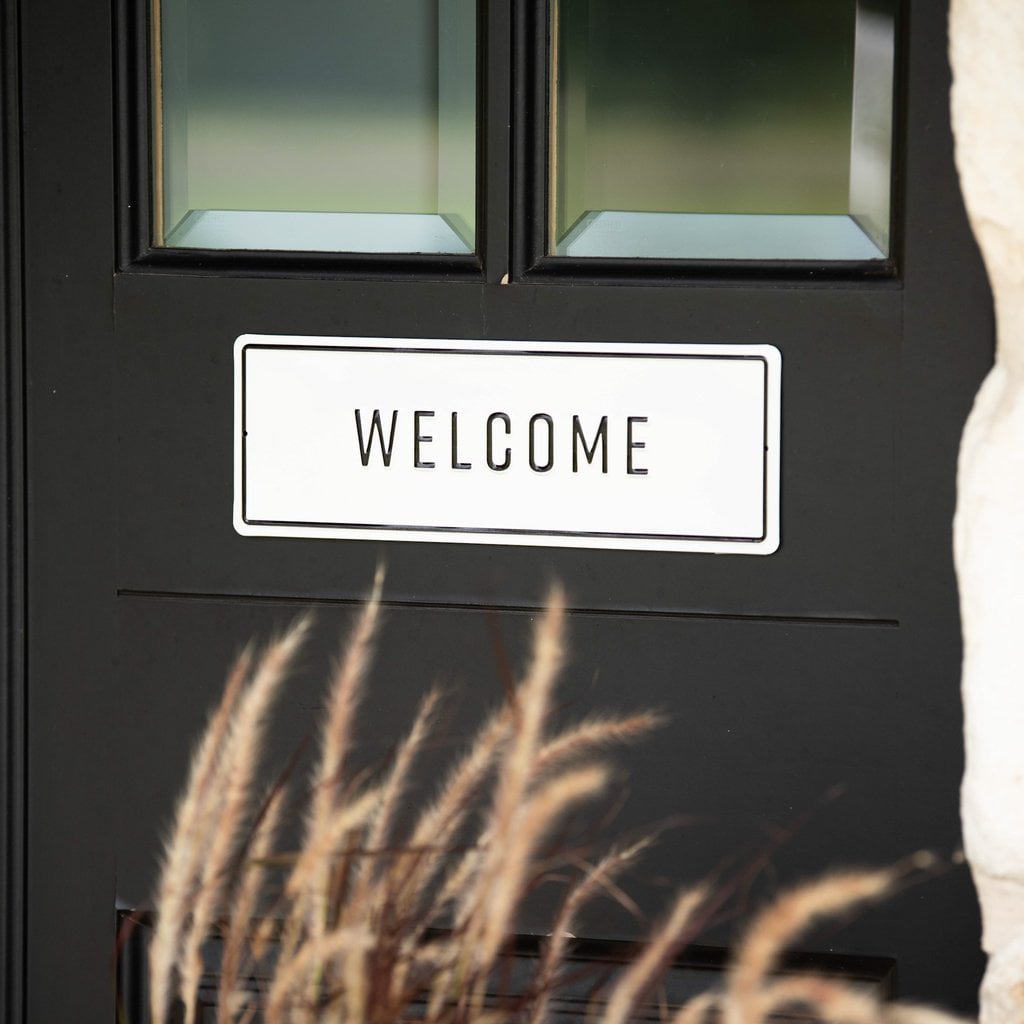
[634, 446]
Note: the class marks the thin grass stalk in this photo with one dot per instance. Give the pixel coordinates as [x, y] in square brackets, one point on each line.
[640, 974]
[491, 877]
[243, 911]
[595, 878]
[185, 847]
[369, 867]
[516, 768]
[241, 750]
[394, 789]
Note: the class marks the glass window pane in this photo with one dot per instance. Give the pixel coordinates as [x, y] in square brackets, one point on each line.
[321, 125]
[733, 129]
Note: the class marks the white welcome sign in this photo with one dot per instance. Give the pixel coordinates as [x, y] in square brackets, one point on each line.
[633, 446]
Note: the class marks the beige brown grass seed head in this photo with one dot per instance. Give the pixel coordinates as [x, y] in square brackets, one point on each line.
[356, 910]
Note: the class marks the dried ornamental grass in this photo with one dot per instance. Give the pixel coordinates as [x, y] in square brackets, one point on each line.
[364, 925]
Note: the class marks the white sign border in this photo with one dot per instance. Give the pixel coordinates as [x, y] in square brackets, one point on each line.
[767, 544]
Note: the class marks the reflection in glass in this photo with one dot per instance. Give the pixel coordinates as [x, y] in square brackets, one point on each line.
[733, 129]
[318, 125]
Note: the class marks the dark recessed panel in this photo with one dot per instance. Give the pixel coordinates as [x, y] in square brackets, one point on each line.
[783, 754]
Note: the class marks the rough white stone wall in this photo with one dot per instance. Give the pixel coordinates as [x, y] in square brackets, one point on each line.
[987, 55]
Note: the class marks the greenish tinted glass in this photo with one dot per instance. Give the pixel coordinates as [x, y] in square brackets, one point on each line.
[323, 125]
[733, 129]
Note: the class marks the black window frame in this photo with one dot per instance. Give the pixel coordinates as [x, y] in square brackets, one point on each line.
[135, 35]
[531, 259]
[512, 167]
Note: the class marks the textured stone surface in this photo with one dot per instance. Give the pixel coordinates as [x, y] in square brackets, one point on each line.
[987, 55]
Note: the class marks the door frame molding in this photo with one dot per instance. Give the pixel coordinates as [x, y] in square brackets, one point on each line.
[13, 520]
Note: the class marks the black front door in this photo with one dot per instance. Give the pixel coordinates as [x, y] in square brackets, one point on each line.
[814, 687]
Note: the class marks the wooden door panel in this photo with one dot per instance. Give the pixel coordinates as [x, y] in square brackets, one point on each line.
[839, 443]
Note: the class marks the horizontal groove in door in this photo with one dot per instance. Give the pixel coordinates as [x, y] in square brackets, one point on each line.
[467, 606]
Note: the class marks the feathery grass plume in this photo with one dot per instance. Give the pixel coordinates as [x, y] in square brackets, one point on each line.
[516, 769]
[445, 816]
[567, 746]
[377, 878]
[530, 710]
[295, 973]
[342, 704]
[316, 863]
[775, 928]
[492, 918]
[210, 820]
[377, 923]
[375, 865]
[657, 954]
[186, 845]
[328, 777]
[826, 999]
[240, 750]
[548, 805]
[243, 912]
[330, 838]
[581, 739]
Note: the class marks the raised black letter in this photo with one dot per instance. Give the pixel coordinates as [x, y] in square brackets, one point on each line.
[631, 444]
[498, 466]
[455, 445]
[551, 442]
[418, 439]
[375, 428]
[601, 435]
